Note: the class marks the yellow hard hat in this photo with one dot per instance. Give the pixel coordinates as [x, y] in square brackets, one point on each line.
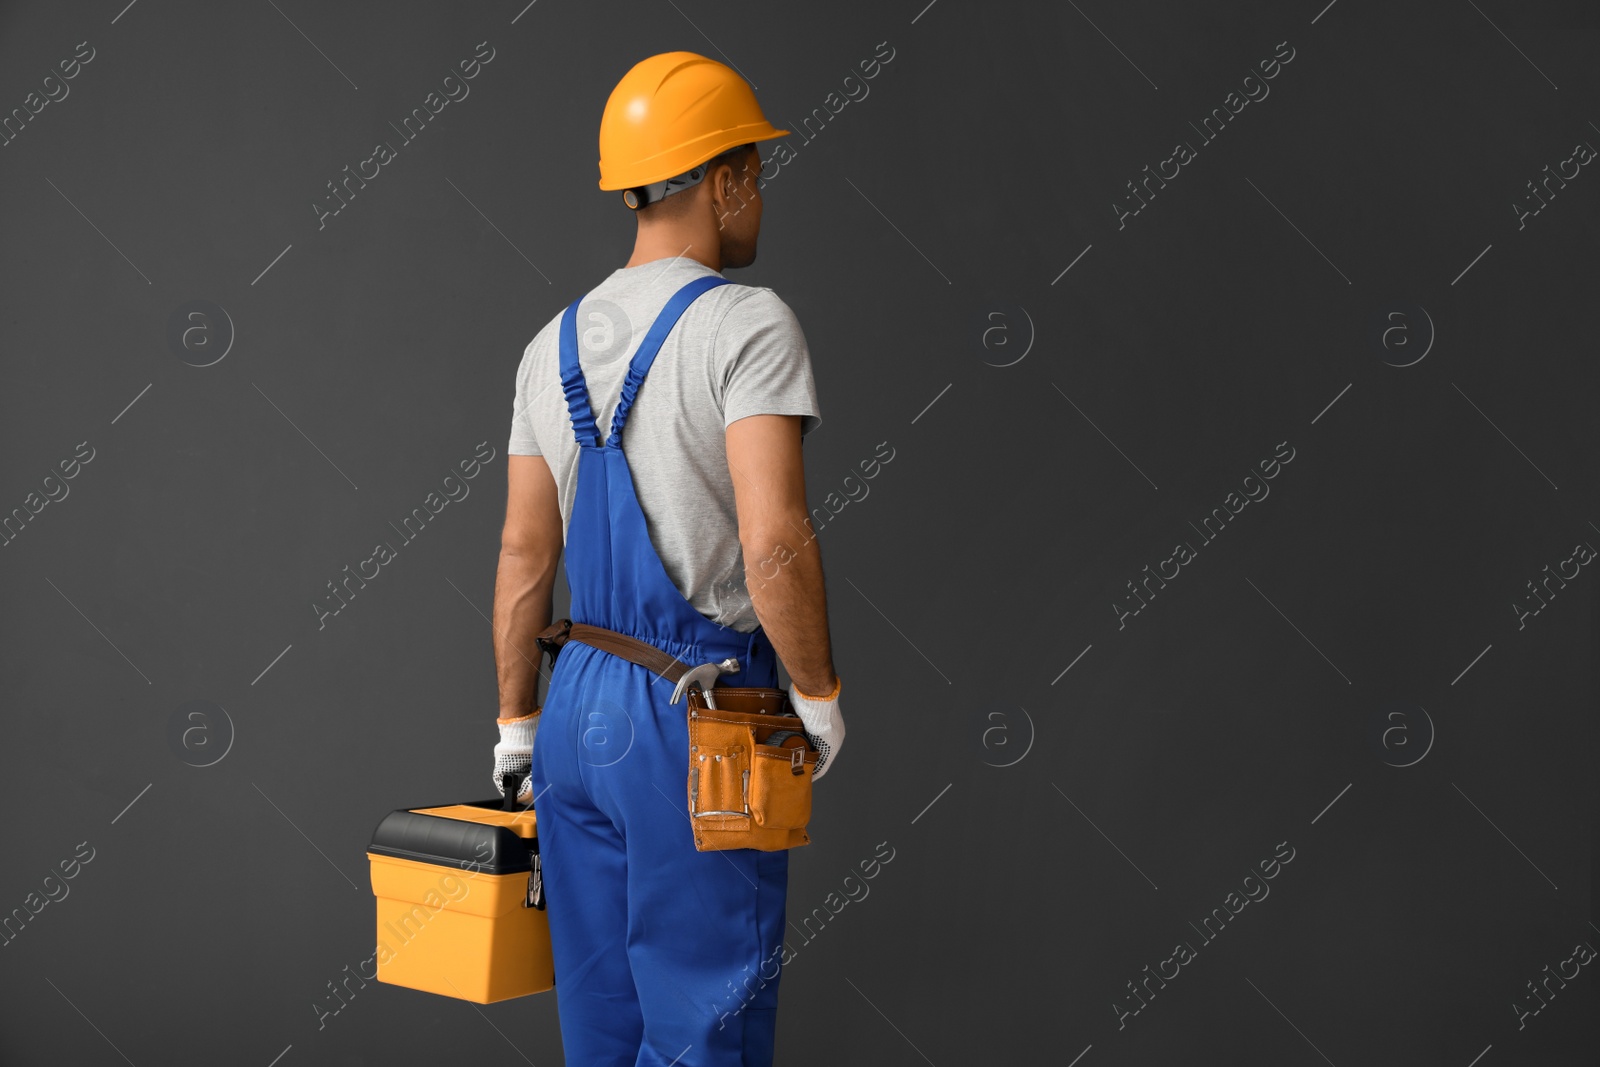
[672, 112]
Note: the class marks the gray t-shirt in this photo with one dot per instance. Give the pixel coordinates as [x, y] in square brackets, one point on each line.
[738, 350]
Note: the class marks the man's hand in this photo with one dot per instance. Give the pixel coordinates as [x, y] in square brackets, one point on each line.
[514, 752]
[824, 724]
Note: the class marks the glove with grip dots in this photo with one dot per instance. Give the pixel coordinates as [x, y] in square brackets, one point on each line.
[824, 723]
[514, 752]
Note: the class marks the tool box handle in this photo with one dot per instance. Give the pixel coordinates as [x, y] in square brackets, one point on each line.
[508, 790]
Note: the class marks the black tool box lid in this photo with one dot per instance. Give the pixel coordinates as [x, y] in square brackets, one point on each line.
[460, 843]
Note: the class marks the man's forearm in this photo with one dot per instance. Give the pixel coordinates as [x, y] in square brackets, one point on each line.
[523, 605]
[786, 586]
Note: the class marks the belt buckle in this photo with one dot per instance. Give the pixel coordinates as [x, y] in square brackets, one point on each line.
[552, 644]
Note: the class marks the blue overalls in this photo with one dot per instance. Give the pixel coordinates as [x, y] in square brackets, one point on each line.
[663, 955]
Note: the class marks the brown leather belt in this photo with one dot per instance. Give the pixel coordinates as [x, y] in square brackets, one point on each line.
[632, 649]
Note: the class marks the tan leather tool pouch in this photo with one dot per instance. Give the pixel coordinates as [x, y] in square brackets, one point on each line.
[750, 768]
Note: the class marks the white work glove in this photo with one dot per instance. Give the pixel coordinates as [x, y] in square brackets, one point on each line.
[824, 724]
[514, 752]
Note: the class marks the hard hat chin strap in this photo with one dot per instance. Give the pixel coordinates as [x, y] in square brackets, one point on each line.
[649, 194]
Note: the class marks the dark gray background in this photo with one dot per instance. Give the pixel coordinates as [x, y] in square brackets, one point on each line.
[1240, 709]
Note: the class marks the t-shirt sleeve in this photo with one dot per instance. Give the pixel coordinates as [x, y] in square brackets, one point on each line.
[522, 441]
[765, 364]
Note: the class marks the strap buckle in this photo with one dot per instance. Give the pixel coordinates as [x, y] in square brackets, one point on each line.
[552, 637]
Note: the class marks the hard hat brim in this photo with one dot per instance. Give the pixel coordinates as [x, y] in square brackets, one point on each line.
[683, 157]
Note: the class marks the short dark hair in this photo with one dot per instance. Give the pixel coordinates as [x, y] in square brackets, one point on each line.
[731, 157]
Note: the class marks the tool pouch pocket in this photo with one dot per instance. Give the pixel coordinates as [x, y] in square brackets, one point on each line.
[750, 770]
[780, 784]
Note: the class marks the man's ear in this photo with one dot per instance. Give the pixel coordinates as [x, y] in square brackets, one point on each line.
[729, 181]
[740, 177]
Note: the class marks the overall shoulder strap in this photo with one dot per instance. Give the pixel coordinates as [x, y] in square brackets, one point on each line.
[572, 383]
[639, 366]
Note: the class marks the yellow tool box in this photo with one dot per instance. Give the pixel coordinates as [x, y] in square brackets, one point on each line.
[461, 902]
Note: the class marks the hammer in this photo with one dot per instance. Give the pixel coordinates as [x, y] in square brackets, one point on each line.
[704, 676]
